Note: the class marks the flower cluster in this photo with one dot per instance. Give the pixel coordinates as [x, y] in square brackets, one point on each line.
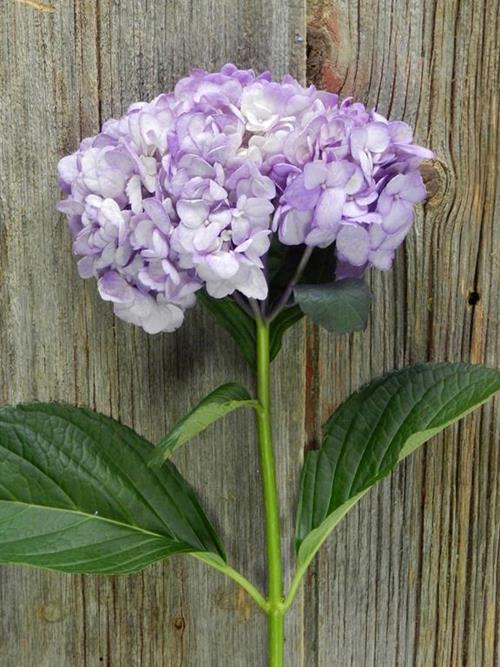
[356, 183]
[186, 191]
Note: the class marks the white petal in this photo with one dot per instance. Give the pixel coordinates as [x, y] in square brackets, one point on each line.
[134, 193]
[353, 244]
[294, 227]
[314, 174]
[377, 137]
[205, 238]
[219, 288]
[68, 168]
[224, 264]
[163, 317]
[192, 213]
[381, 259]
[329, 207]
[113, 287]
[254, 285]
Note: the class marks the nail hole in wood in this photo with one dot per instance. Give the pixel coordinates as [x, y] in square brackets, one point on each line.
[473, 298]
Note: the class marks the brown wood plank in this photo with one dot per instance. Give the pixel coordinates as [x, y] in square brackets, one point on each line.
[411, 576]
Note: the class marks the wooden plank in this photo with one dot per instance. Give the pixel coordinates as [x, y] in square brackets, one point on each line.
[66, 67]
[410, 577]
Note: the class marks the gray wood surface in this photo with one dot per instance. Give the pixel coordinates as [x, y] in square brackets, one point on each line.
[411, 576]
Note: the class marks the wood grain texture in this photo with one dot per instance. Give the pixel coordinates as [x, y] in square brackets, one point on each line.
[410, 578]
[64, 72]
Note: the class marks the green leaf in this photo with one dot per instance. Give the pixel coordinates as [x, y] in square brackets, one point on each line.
[283, 261]
[321, 266]
[217, 404]
[342, 306]
[76, 495]
[242, 327]
[375, 429]
[279, 326]
[235, 321]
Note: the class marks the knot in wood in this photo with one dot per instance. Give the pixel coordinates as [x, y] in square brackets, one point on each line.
[436, 176]
[180, 623]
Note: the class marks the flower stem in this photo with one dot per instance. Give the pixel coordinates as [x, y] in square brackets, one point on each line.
[275, 612]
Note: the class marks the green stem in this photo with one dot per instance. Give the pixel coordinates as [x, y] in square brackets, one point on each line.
[218, 564]
[275, 613]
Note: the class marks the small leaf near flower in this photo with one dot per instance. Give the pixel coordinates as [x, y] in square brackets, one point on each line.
[279, 325]
[239, 325]
[217, 404]
[342, 306]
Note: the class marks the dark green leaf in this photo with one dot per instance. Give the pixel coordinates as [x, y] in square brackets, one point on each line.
[342, 306]
[321, 267]
[217, 404]
[279, 325]
[76, 495]
[283, 261]
[235, 321]
[373, 430]
[242, 327]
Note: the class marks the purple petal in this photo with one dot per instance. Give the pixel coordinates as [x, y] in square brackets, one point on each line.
[298, 196]
[314, 175]
[70, 207]
[416, 150]
[381, 259]
[340, 172]
[345, 270]
[113, 287]
[157, 213]
[329, 208]
[321, 237]
[353, 244]
[401, 133]
[377, 137]
[86, 267]
[400, 215]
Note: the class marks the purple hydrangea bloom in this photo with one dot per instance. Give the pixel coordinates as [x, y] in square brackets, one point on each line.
[356, 184]
[185, 191]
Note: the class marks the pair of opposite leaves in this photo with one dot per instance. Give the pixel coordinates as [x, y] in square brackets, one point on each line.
[80, 492]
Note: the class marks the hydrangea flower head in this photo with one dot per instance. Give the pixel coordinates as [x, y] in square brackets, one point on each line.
[186, 191]
[357, 185]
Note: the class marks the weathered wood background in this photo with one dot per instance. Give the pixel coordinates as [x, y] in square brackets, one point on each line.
[411, 576]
